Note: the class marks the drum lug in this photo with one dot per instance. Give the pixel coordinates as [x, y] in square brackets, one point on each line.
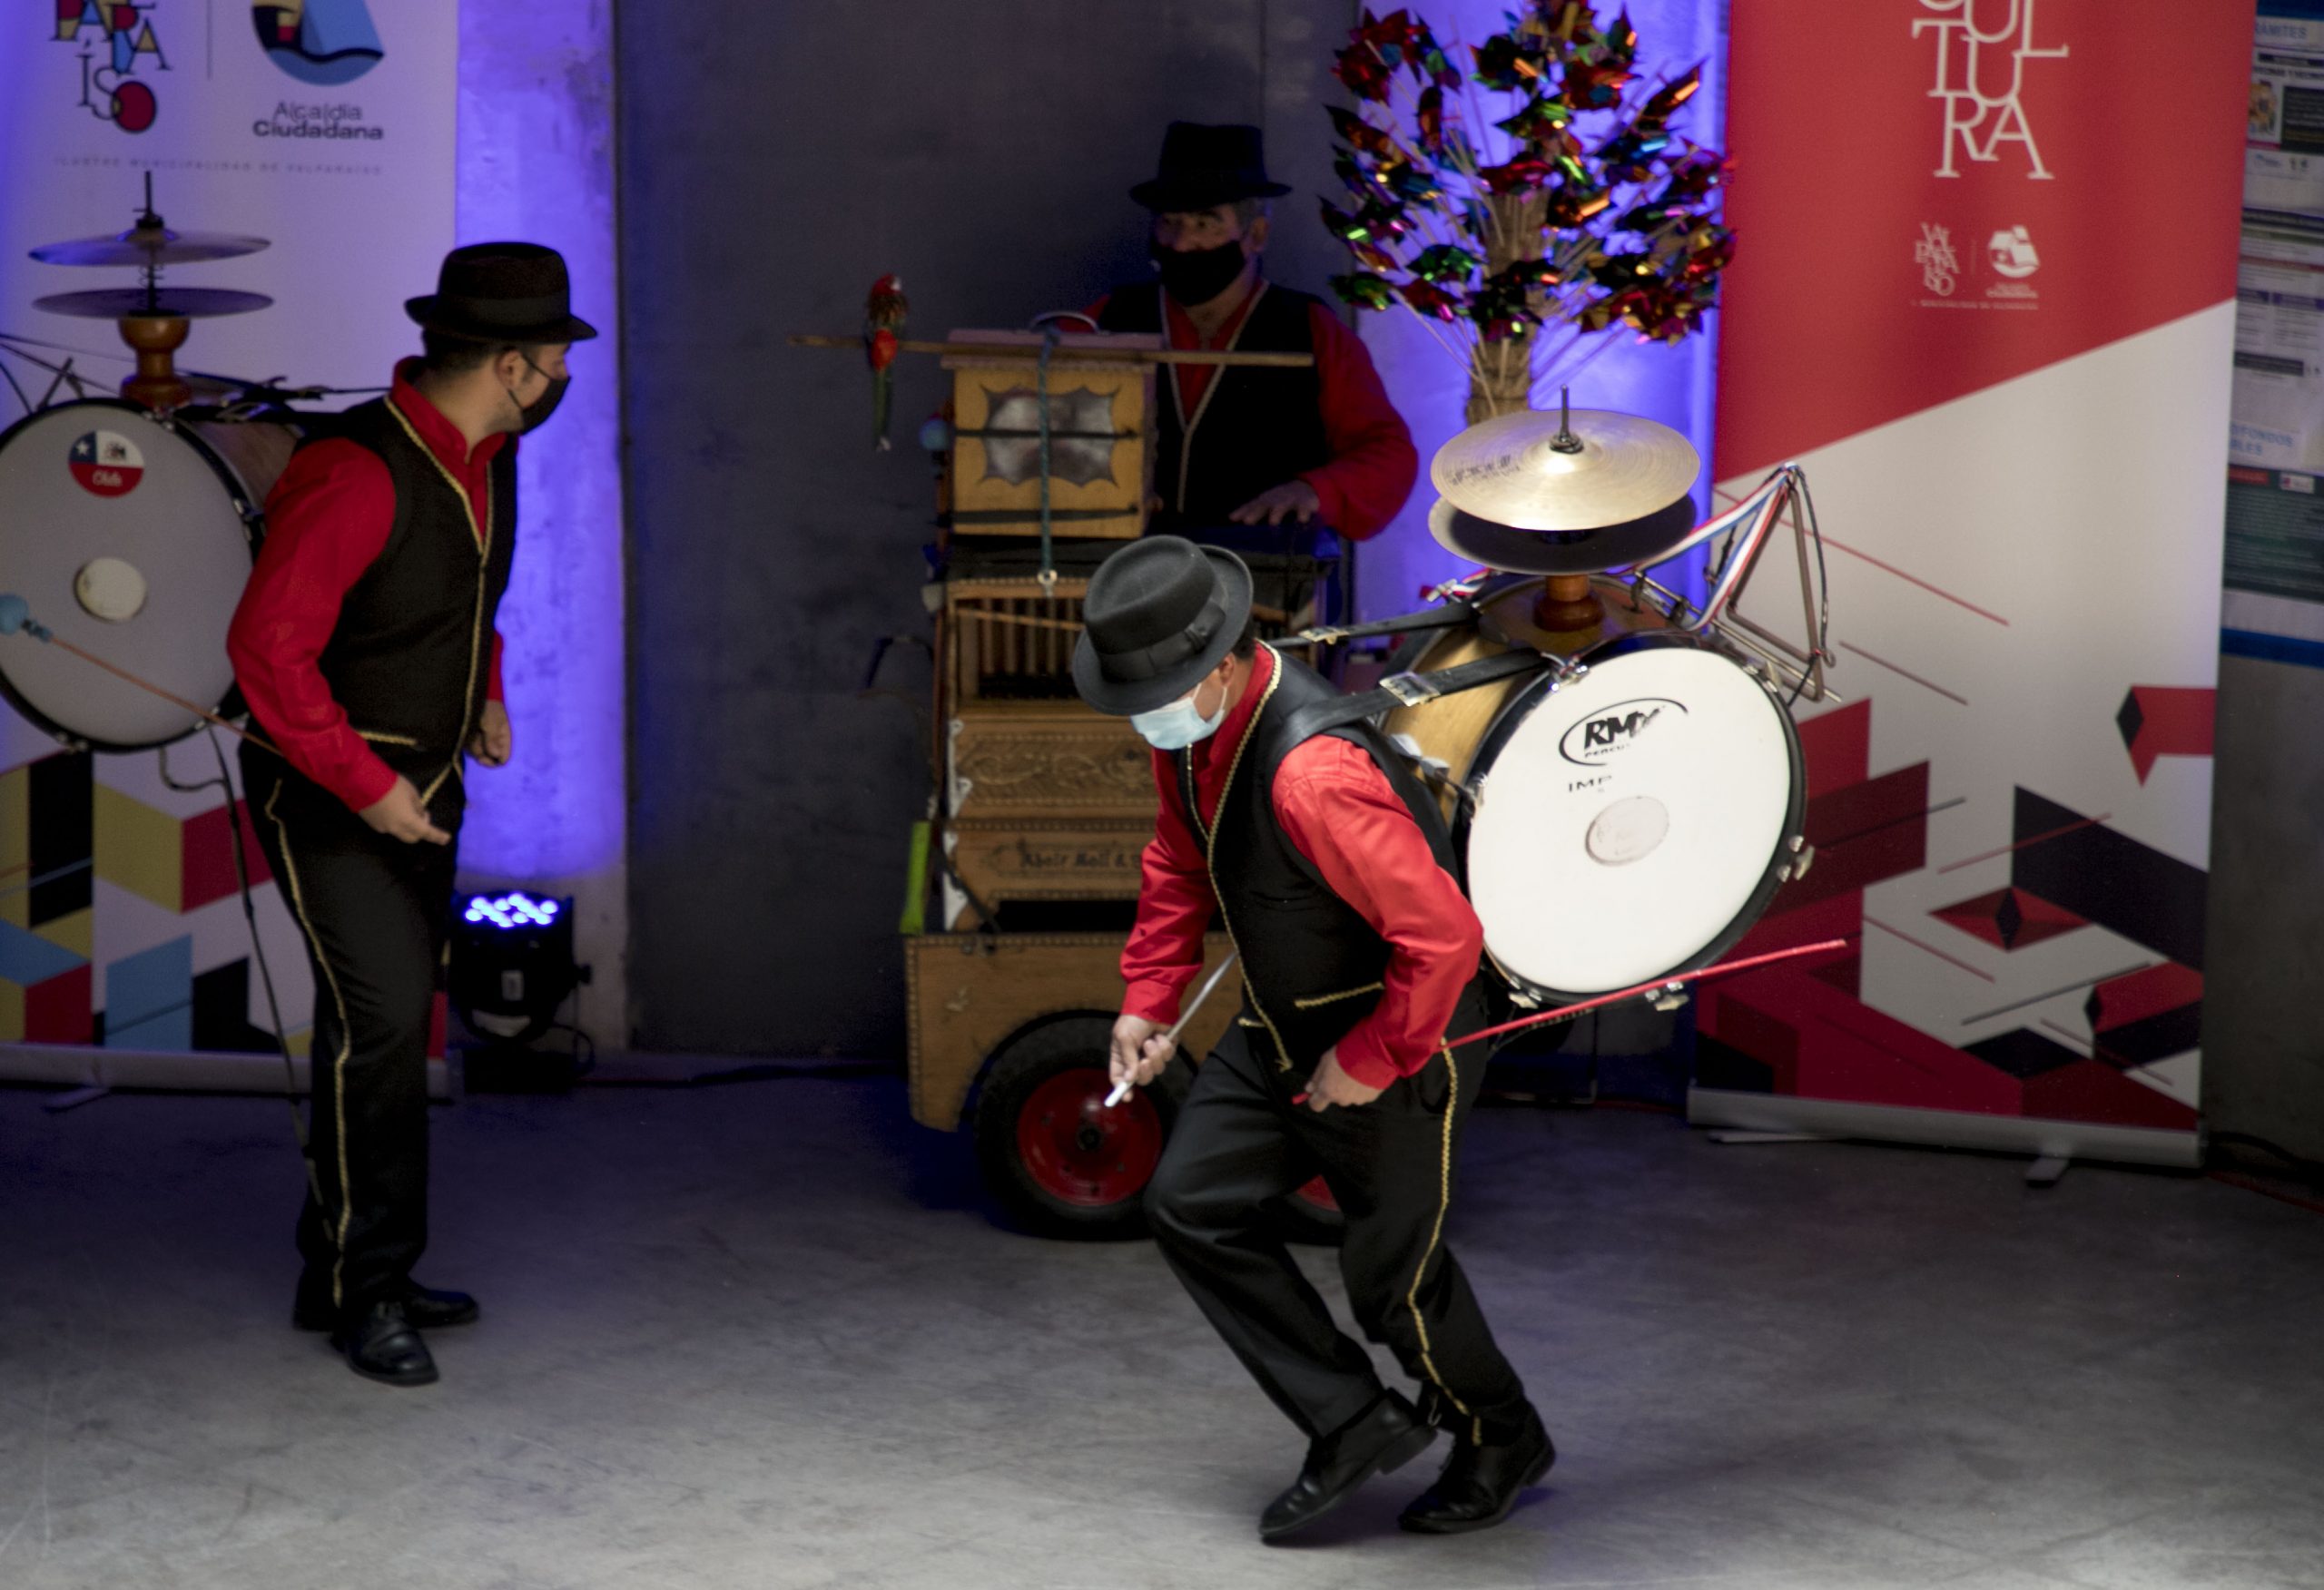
[1803, 858]
[1669, 997]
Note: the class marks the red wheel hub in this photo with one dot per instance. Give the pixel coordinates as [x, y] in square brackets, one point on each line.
[1080, 1153]
[1318, 1192]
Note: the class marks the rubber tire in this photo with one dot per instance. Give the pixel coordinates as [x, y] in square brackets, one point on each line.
[1016, 1068]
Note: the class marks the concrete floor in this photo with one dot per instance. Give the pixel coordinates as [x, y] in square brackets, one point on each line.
[764, 1335]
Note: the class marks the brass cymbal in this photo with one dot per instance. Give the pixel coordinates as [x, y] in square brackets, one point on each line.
[1561, 552]
[162, 303]
[1592, 469]
[147, 246]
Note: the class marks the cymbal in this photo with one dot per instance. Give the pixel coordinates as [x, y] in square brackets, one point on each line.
[148, 246]
[1561, 552]
[1513, 471]
[167, 303]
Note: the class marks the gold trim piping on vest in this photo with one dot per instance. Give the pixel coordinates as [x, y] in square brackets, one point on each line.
[1210, 854]
[380, 737]
[1186, 422]
[483, 533]
[1316, 1001]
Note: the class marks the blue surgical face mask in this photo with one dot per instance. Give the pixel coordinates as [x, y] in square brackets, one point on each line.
[1178, 724]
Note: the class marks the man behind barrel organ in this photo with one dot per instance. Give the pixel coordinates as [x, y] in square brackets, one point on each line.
[364, 645]
[1289, 815]
[1244, 447]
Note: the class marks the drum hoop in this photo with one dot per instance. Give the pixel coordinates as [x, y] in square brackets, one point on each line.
[253, 531]
[1521, 705]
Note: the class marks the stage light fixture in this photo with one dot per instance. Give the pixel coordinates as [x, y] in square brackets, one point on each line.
[512, 965]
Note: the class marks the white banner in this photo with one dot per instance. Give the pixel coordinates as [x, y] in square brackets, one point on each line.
[327, 127]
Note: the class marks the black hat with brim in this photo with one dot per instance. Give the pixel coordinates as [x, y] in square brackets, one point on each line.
[502, 292]
[1203, 166]
[1159, 614]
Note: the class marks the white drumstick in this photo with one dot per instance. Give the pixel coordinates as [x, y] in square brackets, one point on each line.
[1121, 1090]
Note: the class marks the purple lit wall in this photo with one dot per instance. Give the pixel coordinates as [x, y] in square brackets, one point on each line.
[1672, 385]
[537, 163]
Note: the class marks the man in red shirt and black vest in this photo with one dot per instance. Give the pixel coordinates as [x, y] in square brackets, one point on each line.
[1284, 811]
[1241, 448]
[366, 647]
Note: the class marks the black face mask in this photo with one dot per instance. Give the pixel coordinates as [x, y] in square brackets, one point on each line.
[1196, 276]
[535, 414]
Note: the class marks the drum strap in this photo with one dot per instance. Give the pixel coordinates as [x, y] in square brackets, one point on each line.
[1411, 689]
[1449, 616]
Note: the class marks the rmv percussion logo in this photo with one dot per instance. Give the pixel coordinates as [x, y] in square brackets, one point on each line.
[116, 37]
[1978, 121]
[1613, 731]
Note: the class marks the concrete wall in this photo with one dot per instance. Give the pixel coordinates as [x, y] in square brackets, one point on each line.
[774, 160]
[536, 162]
[2263, 1051]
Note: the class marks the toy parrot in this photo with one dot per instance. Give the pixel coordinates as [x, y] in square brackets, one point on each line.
[883, 320]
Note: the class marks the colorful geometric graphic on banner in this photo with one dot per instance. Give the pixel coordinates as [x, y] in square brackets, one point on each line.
[2014, 425]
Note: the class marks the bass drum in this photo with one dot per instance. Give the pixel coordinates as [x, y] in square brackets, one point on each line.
[130, 535]
[1625, 822]
[1633, 821]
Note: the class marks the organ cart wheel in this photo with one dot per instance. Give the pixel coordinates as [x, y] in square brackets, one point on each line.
[1057, 1161]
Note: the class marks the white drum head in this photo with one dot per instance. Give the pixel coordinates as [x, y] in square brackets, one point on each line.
[125, 539]
[1628, 821]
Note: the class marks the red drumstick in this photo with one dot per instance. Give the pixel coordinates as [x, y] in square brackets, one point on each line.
[1717, 971]
[15, 615]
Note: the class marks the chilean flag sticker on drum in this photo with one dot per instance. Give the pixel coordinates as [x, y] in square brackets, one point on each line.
[107, 462]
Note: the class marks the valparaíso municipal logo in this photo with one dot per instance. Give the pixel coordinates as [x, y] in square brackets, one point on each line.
[116, 37]
[321, 41]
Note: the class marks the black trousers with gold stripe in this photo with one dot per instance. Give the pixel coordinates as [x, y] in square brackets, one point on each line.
[1239, 1143]
[374, 912]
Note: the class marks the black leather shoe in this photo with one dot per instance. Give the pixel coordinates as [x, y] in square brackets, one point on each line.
[427, 1310]
[382, 1346]
[1386, 1436]
[1480, 1483]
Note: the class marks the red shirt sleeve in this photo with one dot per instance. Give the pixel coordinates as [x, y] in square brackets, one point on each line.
[1374, 463]
[492, 672]
[327, 519]
[1175, 903]
[1338, 808]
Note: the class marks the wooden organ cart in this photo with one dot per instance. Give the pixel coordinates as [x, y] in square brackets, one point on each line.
[1025, 879]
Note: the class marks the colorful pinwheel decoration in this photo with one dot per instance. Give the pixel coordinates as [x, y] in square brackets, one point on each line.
[1525, 206]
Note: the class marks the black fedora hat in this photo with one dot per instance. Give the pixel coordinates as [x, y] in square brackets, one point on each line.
[1160, 614]
[502, 292]
[1205, 165]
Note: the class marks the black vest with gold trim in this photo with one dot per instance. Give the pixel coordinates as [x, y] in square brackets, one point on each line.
[410, 657]
[1311, 966]
[1254, 427]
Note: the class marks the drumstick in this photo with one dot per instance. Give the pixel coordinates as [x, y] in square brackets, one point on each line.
[1659, 982]
[1121, 1090]
[15, 614]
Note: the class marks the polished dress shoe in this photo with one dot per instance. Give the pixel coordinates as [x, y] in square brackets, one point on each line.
[427, 1310]
[1482, 1481]
[380, 1345]
[1386, 1436]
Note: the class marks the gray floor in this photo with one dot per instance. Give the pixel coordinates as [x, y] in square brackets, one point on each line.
[764, 1335]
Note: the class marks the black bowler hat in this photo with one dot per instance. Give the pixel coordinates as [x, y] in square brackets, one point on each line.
[1160, 614]
[502, 292]
[1202, 166]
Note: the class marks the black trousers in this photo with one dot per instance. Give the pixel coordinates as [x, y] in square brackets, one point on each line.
[1240, 1142]
[374, 912]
